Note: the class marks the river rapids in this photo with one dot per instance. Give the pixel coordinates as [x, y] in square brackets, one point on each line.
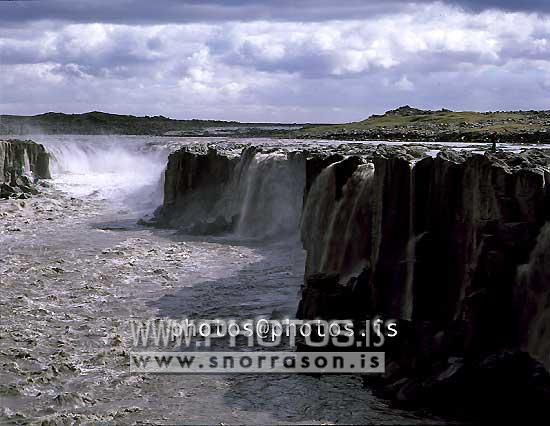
[75, 267]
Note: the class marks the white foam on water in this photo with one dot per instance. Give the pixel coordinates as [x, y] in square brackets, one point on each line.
[126, 173]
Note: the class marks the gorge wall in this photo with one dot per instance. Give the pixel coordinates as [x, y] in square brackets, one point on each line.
[431, 237]
[255, 194]
[454, 246]
[21, 163]
[18, 158]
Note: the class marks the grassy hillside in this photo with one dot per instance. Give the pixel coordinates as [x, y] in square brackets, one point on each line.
[402, 124]
[406, 123]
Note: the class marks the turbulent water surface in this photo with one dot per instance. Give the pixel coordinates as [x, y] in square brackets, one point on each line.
[75, 267]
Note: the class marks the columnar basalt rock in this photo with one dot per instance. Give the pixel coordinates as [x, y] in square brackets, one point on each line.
[195, 180]
[17, 155]
[452, 246]
[254, 192]
[21, 162]
[473, 220]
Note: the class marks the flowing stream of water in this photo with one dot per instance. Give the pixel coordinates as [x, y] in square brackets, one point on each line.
[75, 267]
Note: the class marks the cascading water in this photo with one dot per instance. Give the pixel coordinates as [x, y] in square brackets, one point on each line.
[127, 174]
[317, 215]
[533, 278]
[337, 222]
[273, 186]
[27, 165]
[257, 196]
[407, 302]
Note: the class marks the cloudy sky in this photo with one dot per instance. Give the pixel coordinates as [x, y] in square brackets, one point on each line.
[273, 60]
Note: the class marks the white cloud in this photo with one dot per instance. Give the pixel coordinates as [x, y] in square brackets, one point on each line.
[404, 84]
[435, 56]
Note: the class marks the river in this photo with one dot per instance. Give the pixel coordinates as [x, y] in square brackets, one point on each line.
[75, 267]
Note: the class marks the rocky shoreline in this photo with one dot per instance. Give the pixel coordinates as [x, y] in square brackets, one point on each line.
[453, 246]
[422, 135]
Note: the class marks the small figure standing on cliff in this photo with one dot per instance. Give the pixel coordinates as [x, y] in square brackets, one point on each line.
[493, 137]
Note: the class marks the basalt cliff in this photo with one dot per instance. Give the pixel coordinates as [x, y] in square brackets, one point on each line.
[21, 162]
[453, 245]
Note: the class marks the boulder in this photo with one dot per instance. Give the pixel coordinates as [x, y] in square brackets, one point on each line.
[217, 226]
[6, 190]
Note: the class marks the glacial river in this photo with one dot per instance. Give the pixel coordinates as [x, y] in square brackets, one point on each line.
[75, 267]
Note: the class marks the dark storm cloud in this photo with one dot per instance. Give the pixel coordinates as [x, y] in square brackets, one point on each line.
[186, 11]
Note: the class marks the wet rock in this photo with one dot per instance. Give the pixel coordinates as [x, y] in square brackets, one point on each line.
[6, 191]
[71, 399]
[323, 297]
[195, 180]
[23, 181]
[17, 158]
[508, 385]
[441, 241]
[16, 154]
[410, 391]
[217, 226]
[261, 187]
[433, 242]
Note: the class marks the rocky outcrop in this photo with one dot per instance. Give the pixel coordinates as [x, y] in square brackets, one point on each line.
[454, 247]
[195, 180]
[21, 162]
[19, 157]
[430, 232]
[250, 191]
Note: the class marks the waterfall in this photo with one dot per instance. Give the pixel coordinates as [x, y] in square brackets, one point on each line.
[27, 165]
[330, 227]
[533, 291]
[127, 174]
[272, 186]
[257, 196]
[407, 301]
[317, 216]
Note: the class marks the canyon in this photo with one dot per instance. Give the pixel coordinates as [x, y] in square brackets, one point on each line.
[452, 244]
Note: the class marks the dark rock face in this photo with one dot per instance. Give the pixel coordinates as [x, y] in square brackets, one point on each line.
[442, 240]
[15, 155]
[195, 179]
[508, 385]
[453, 247]
[214, 190]
[323, 297]
[18, 160]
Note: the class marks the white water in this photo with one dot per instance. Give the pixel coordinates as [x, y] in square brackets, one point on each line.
[27, 165]
[273, 189]
[330, 227]
[70, 286]
[126, 173]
